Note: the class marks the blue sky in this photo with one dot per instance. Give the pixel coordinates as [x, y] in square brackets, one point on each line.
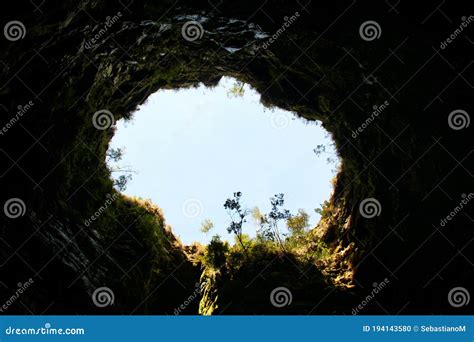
[193, 148]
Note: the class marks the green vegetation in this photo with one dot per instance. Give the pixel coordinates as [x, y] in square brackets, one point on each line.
[216, 253]
[147, 250]
[324, 210]
[206, 226]
[238, 281]
[113, 156]
[284, 249]
[269, 223]
[237, 89]
[279, 229]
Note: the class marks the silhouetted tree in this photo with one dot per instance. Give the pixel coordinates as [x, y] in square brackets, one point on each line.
[237, 216]
[269, 222]
[321, 149]
[114, 155]
[121, 182]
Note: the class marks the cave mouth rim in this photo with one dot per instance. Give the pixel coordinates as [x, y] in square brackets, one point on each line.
[336, 164]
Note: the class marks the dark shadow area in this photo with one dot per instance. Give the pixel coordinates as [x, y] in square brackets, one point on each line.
[401, 208]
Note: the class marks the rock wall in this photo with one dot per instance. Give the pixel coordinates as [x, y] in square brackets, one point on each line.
[79, 58]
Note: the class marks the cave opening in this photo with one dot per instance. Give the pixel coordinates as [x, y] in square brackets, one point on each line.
[411, 158]
[188, 150]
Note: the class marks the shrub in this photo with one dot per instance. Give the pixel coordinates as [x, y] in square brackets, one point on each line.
[216, 253]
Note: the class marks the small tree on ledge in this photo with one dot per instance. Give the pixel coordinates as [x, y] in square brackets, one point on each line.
[237, 216]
